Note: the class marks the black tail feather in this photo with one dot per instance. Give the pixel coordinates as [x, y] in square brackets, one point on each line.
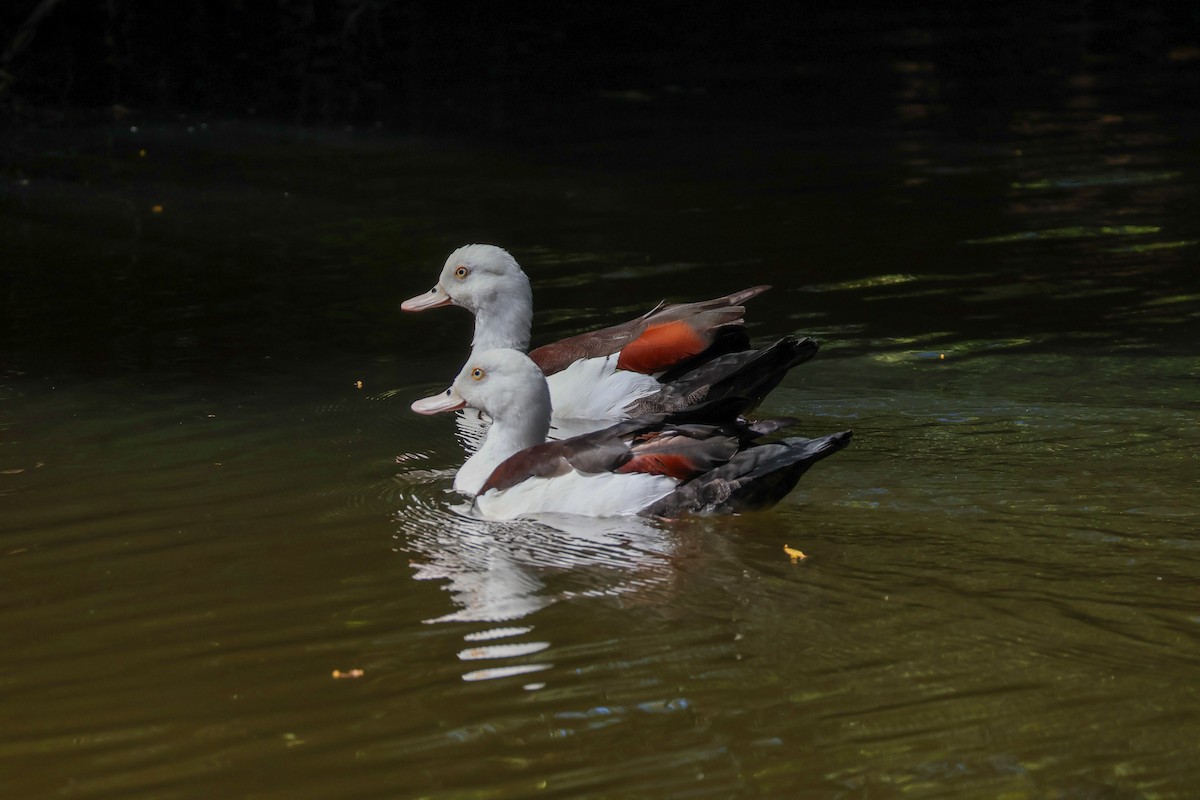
[757, 477]
[749, 375]
[759, 376]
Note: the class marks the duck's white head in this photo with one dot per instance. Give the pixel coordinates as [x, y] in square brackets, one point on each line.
[508, 387]
[504, 384]
[487, 281]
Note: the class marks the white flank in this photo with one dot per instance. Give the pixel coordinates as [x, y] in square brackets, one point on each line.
[593, 388]
[605, 495]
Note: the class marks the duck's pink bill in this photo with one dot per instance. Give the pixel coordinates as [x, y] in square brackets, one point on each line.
[434, 298]
[446, 401]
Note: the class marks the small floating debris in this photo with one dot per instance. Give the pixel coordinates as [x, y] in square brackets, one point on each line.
[157, 209]
[795, 555]
[358, 384]
[350, 673]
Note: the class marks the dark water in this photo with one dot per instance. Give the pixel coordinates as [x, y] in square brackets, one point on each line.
[202, 516]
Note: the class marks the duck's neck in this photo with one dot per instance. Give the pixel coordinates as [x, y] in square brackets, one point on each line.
[504, 322]
[523, 425]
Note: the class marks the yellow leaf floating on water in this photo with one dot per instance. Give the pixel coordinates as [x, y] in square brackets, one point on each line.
[157, 209]
[794, 554]
[350, 673]
[358, 384]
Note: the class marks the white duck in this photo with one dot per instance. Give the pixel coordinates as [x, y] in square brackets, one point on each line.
[597, 375]
[660, 465]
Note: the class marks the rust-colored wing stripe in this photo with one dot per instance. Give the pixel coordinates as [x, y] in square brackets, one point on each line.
[660, 346]
[674, 465]
[682, 452]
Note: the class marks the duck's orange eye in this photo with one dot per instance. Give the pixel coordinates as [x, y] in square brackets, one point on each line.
[461, 272]
[477, 374]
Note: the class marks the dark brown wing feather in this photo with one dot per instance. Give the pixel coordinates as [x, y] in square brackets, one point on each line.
[599, 451]
[657, 445]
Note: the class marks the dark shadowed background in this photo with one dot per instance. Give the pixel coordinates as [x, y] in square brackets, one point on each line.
[213, 494]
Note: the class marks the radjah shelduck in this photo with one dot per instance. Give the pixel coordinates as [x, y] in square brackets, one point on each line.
[662, 465]
[672, 357]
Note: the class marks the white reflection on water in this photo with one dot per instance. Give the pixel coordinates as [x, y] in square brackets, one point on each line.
[504, 572]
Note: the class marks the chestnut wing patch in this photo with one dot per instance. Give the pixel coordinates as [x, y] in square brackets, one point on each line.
[660, 346]
[681, 453]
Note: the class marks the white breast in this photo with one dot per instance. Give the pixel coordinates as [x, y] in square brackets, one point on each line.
[593, 388]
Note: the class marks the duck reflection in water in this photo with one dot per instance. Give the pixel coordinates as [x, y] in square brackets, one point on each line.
[505, 572]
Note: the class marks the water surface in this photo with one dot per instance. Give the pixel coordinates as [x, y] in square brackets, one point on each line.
[203, 515]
